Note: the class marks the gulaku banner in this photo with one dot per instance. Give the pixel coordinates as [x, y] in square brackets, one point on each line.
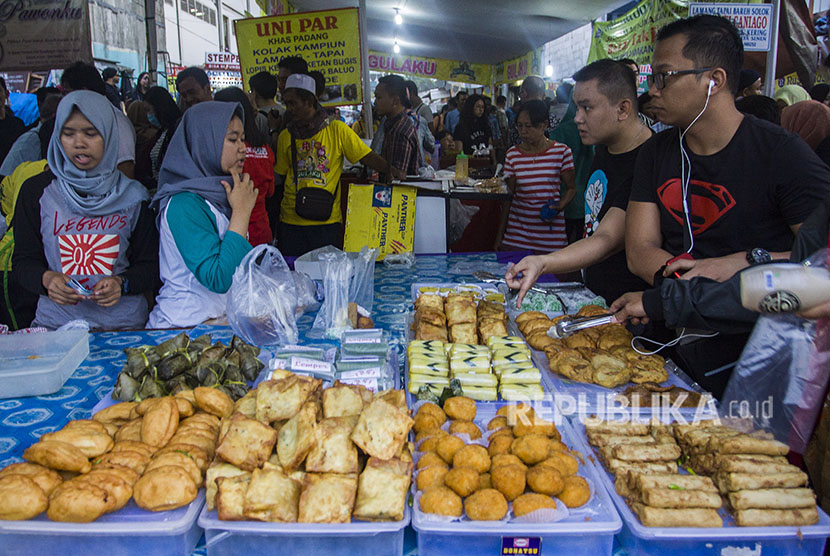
[328, 40]
[44, 35]
[519, 68]
[432, 68]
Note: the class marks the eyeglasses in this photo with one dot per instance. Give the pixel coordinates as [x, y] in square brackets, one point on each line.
[658, 79]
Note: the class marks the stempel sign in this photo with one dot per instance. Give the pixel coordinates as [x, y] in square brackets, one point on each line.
[221, 61]
[754, 21]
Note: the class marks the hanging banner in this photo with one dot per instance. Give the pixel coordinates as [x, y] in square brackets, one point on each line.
[754, 21]
[519, 68]
[44, 35]
[431, 68]
[328, 40]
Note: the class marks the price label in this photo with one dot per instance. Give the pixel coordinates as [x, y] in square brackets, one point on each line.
[361, 373]
[309, 365]
[520, 545]
[370, 383]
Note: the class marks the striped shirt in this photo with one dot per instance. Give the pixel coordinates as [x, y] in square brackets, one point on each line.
[538, 180]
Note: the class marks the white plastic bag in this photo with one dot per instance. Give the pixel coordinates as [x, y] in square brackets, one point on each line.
[307, 299]
[263, 299]
[345, 280]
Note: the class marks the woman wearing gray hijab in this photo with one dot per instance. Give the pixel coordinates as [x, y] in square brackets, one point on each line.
[85, 240]
[204, 204]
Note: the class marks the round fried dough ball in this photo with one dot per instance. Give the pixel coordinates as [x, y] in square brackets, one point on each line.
[500, 445]
[545, 479]
[509, 480]
[557, 446]
[463, 480]
[474, 456]
[484, 481]
[564, 463]
[527, 503]
[465, 427]
[429, 477]
[448, 446]
[515, 412]
[430, 434]
[536, 425]
[425, 422]
[430, 444]
[442, 501]
[506, 459]
[486, 505]
[497, 423]
[430, 459]
[531, 448]
[460, 408]
[576, 492]
[430, 408]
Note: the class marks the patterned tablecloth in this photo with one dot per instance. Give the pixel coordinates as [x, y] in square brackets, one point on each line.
[23, 420]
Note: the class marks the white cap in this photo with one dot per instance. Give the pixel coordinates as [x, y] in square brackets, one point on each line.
[301, 81]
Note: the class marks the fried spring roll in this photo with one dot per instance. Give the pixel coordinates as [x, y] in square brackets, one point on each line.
[618, 466]
[748, 445]
[686, 517]
[616, 439]
[598, 426]
[771, 518]
[668, 498]
[772, 498]
[646, 452]
[669, 481]
[754, 481]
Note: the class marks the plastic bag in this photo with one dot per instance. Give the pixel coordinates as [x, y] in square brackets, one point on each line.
[345, 279]
[460, 217]
[362, 285]
[307, 296]
[262, 299]
[780, 381]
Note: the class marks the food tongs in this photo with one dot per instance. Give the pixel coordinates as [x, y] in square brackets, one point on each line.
[571, 325]
[490, 278]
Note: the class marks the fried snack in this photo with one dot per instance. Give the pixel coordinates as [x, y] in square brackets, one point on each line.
[213, 401]
[442, 501]
[283, 398]
[342, 400]
[425, 422]
[465, 427]
[534, 425]
[580, 340]
[673, 498]
[600, 426]
[609, 371]
[57, 455]
[614, 337]
[381, 429]
[21, 498]
[333, 451]
[746, 444]
[130, 431]
[448, 446]
[230, 497]
[432, 301]
[772, 498]
[647, 452]
[472, 455]
[576, 492]
[591, 311]
[247, 444]
[430, 444]
[429, 332]
[218, 471]
[47, 479]
[570, 364]
[118, 490]
[539, 340]
[510, 480]
[566, 464]
[486, 505]
[117, 414]
[499, 445]
[754, 481]
[77, 503]
[431, 316]
[643, 481]
[529, 503]
[382, 490]
[498, 422]
[686, 517]
[545, 479]
[145, 449]
[538, 324]
[179, 459]
[430, 408]
[488, 327]
[136, 461]
[198, 455]
[460, 311]
[529, 315]
[327, 498]
[431, 476]
[463, 480]
[164, 488]
[460, 408]
[297, 436]
[431, 459]
[160, 422]
[246, 405]
[531, 448]
[271, 496]
[506, 459]
[648, 368]
[796, 517]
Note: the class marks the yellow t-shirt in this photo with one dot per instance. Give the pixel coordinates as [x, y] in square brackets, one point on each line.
[9, 190]
[319, 164]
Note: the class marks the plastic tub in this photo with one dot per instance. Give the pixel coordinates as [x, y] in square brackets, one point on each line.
[728, 540]
[589, 530]
[247, 538]
[39, 364]
[130, 530]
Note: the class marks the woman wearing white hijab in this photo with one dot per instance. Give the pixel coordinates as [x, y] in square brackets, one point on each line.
[83, 221]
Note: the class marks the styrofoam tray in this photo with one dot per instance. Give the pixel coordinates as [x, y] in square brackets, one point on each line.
[639, 539]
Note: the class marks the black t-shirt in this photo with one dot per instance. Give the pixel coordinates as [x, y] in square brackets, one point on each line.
[747, 195]
[11, 127]
[472, 135]
[609, 186]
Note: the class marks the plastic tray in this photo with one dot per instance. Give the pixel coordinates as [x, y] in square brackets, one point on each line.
[39, 364]
[130, 530]
[730, 539]
[589, 530]
[489, 288]
[248, 538]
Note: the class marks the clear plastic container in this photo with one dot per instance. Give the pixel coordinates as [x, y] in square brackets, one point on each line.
[248, 538]
[462, 168]
[130, 530]
[39, 364]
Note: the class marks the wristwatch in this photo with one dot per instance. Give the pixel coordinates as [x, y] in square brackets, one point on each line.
[125, 285]
[758, 256]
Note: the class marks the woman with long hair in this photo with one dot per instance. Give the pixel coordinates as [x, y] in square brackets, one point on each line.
[163, 113]
[473, 130]
[142, 85]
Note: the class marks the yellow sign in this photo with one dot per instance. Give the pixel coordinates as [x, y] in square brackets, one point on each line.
[382, 217]
[328, 40]
[519, 68]
[432, 68]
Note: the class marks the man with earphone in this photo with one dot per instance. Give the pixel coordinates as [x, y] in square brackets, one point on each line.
[719, 192]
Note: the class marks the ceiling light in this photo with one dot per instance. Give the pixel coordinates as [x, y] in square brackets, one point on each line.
[396, 48]
[549, 70]
[398, 17]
